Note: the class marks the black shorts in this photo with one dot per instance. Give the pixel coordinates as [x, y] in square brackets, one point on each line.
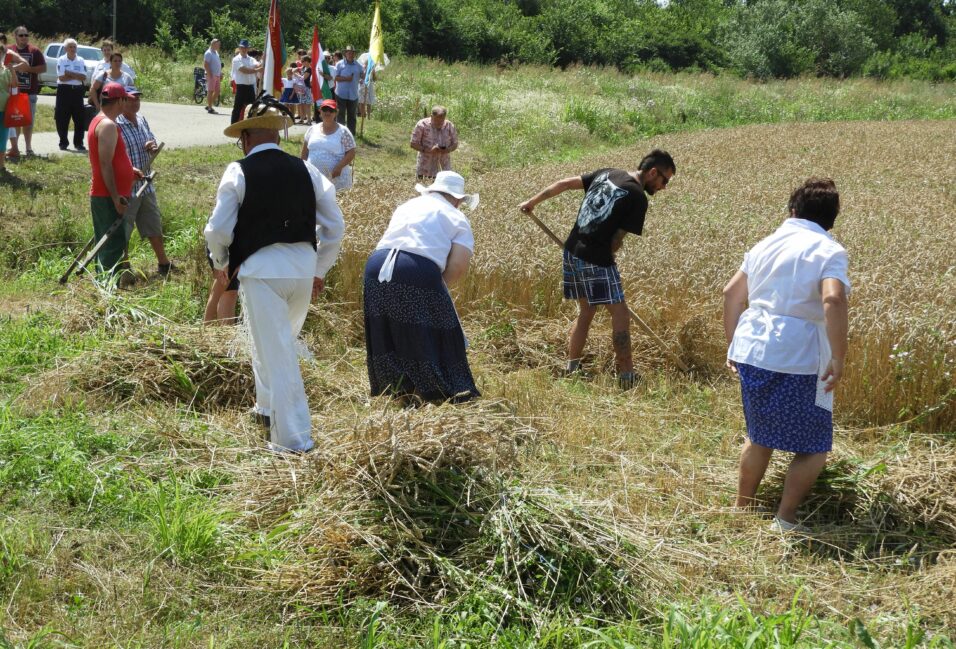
[233, 283]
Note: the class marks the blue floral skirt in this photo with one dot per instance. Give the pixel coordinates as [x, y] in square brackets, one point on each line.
[781, 412]
[413, 338]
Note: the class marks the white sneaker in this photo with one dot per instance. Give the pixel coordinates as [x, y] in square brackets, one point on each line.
[785, 527]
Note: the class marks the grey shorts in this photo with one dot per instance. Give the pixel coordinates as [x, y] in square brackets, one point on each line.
[144, 212]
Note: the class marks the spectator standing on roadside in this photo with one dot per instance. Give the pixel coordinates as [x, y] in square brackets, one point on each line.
[28, 81]
[70, 77]
[114, 74]
[244, 69]
[113, 176]
[106, 47]
[367, 92]
[434, 138]
[11, 59]
[347, 75]
[143, 210]
[212, 64]
[8, 81]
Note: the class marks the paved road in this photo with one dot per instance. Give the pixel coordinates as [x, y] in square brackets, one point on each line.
[178, 125]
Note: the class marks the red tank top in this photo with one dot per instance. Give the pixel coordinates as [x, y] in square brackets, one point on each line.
[122, 167]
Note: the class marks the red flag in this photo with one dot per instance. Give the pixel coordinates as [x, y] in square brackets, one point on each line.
[274, 54]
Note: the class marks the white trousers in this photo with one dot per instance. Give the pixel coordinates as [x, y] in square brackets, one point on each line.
[276, 310]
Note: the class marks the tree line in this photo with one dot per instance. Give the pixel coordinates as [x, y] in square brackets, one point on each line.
[754, 38]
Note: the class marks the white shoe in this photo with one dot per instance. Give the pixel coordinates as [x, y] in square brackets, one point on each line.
[785, 527]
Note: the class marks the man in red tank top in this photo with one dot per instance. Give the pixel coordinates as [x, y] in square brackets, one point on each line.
[113, 176]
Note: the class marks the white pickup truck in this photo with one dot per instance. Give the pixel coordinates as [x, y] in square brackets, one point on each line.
[90, 55]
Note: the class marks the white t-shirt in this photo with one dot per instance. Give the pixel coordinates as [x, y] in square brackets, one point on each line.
[783, 328]
[243, 78]
[64, 65]
[427, 226]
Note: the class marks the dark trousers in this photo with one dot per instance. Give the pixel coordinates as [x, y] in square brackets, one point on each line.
[69, 105]
[104, 214]
[245, 95]
[347, 109]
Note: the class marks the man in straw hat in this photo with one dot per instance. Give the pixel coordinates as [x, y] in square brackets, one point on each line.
[614, 204]
[276, 226]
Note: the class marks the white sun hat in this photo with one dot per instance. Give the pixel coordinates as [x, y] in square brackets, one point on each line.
[451, 183]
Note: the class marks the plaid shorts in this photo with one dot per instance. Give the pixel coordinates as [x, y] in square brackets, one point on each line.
[596, 284]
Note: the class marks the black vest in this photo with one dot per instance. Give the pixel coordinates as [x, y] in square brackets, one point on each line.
[279, 205]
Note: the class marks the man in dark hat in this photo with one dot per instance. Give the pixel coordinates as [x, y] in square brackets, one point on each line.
[244, 70]
[276, 226]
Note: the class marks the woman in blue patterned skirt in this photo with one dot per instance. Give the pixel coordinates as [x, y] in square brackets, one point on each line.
[414, 340]
[785, 317]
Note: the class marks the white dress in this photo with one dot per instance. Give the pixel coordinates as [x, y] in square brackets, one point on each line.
[326, 151]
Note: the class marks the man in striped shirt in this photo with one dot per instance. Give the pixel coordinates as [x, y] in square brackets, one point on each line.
[142, 210]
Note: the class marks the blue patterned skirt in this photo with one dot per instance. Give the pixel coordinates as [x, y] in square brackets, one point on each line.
[781, 413]
[413, 338]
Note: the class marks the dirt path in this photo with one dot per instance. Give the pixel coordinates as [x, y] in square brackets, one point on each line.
[178, 125]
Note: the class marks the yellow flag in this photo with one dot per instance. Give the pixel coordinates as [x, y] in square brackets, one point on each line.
[376, 50]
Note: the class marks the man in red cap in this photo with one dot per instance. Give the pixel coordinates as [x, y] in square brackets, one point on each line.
[113, 176]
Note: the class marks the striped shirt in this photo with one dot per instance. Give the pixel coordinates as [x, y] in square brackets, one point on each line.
[136, 136]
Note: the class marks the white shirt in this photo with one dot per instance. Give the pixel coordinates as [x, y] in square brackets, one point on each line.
[279, 260]
[64, 64]
[783, 329]
[104, 66]
[243, 78]
[427, 226]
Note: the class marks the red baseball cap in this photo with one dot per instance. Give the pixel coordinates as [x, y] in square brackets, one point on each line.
[329, 103]
[114, 91]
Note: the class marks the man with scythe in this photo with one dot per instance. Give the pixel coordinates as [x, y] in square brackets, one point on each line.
[614, 204]
[276, 226]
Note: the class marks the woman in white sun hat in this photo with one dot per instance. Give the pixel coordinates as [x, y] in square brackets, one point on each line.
[414, 340]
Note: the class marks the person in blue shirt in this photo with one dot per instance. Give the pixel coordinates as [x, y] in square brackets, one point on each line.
[347, 75]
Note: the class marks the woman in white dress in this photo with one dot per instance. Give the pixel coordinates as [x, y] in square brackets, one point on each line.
[330, 147]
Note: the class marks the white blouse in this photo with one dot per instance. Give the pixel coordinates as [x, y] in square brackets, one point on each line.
[426, 226]
[783, 328]
[326, 151]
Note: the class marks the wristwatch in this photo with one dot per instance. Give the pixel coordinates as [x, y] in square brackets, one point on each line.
[123, 200]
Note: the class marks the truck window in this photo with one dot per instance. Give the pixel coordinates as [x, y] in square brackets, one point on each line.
[54, 51]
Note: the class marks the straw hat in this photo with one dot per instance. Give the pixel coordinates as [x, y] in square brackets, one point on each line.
[451, 183]
[267, 117]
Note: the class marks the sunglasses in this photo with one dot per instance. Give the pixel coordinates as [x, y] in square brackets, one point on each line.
[326, 109]
[24, 35]
[664, 179]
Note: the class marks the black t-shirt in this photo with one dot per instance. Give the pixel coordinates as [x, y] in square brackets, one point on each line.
[613, 201]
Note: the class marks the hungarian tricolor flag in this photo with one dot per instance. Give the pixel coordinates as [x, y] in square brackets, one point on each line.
[274, 53]
[319, 67]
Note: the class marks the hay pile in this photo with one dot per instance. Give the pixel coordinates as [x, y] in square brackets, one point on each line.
[422, 507]
[202, 368]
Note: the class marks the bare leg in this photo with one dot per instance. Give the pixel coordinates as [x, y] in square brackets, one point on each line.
[579, 330]
[28, 137]
[621, 337]
[227, 307]
[14, 138]
[211, 314]
[159, 249]
[754, 460]
[803, 472]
